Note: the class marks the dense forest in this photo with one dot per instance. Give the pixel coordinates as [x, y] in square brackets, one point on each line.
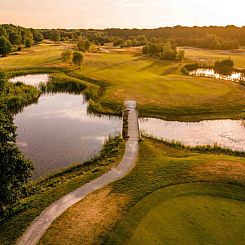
[188, 36]
[213, 37]
[13, 38]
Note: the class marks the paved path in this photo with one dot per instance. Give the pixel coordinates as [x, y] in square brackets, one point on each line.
[39, 226]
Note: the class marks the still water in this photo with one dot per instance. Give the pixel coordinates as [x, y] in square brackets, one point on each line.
[33, 80]
[57, 131]
[226, 133]
[236, 76]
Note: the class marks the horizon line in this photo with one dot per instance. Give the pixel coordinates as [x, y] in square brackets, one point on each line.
[125, 28]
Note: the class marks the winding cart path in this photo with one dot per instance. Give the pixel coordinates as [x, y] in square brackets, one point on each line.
[39, 226]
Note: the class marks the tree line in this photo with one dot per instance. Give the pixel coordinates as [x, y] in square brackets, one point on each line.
[14, 38]
[228, 36]
[185, 36]
[14, 168]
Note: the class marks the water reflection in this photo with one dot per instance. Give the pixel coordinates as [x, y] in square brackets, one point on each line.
[236, 76]
[31, 79]
[58, 131]
[226, 133]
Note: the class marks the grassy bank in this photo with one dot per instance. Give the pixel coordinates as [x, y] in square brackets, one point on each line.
[44, 192]
[199, 149]
[161, 90]
[210, 56]
[158, 86]
[194, 176]
[44, 55]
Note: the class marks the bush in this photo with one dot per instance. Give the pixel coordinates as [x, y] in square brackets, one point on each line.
[224, 66]
[190, 67]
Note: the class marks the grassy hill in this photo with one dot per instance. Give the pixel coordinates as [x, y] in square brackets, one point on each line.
[158, 86]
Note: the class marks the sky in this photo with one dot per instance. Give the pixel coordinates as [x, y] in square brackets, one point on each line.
[121, 13]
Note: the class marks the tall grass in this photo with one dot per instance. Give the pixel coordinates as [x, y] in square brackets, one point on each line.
[18, 95]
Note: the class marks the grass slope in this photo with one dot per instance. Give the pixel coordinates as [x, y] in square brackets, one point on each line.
[160, 166]
[210, 56]
[161, 90]
[43, 55]
[44, 192]
[163, 174]
[158, 86]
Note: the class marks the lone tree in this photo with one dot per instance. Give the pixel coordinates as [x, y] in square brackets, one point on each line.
[5, 46]
[66, 57]
[180, 55]
[77, 59]
[83, 46]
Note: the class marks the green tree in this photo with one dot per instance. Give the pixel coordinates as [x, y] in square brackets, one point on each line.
[66, 56]
[169, 52]
[3, 32]
[83, 46]
[5, 46]
[128, 43]
[180, 55]
[77, 59]
[224, 66]
[37, 36]
[15, 38]
[27, 38]
[55, 35]
[28, 43]
[14, 169]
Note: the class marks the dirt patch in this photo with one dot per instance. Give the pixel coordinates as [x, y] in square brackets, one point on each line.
[84, 222]
[219, 170]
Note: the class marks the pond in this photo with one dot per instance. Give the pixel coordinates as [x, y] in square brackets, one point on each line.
[57, 131]
[226, 133]
[33, 80]
[236, 76]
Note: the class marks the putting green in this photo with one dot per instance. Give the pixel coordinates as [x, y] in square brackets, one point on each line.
[189, 214]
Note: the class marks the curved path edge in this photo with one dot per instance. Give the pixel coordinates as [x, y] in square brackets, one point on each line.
[41, 223]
